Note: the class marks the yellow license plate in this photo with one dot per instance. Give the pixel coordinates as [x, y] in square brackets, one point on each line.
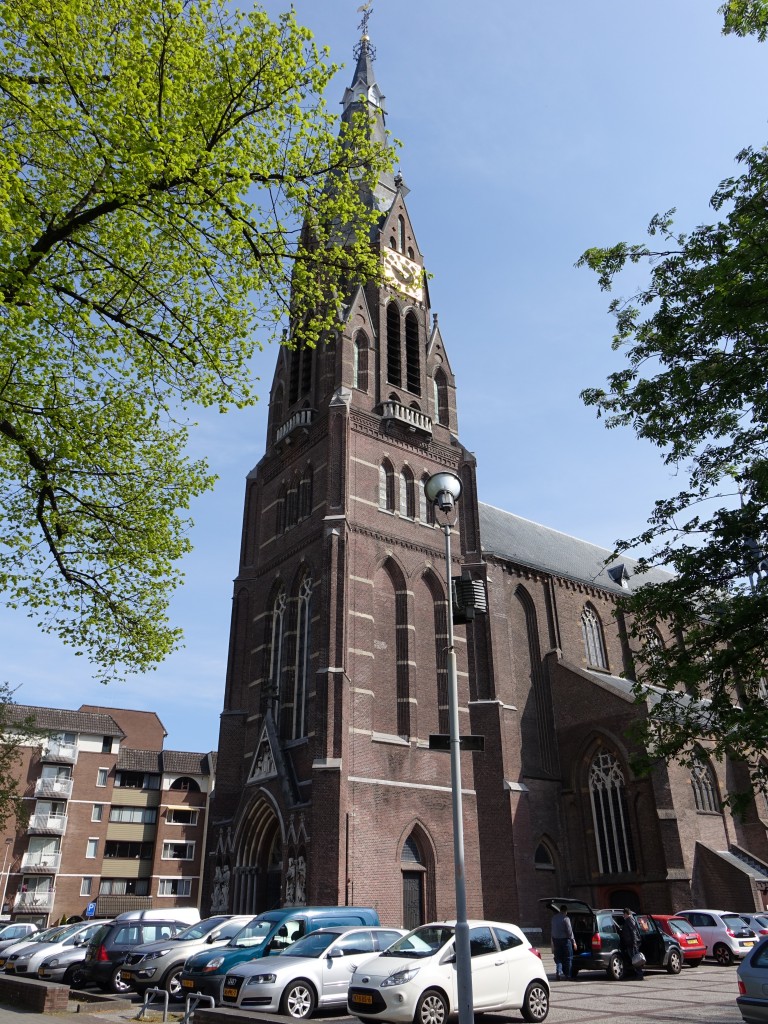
[748, 943]
[358, 997]
[126, 975]
[186, 983]
[230, 993]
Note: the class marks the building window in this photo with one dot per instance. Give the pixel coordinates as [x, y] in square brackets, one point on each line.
[407, 497]
[276, 644]
[296, 702]
[174, 887]
[593, 638]
[412, 355]
[360, 363]
[704, 787]
[106, 745]
[134, 815]
[125, 849]
[101, 776]
[615, 853]
[97, 813]
[124, 887]
[386, 486]
[394, 360]
[92, 848]
[136, 780]
[179, 816]
[440, 385]
[86, 885]
[178, 851]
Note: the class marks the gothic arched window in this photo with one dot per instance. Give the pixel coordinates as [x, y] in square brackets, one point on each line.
[280, 511]
[592, 632]
[704, 787]
[297, 723]
[407, 497]
[394, 360]
[440, 385]
[387, 486]
[305, 493]
[401, 233]
[426, 508]
[607, 793]
[360, 362]
[276, 644]
[412, 355]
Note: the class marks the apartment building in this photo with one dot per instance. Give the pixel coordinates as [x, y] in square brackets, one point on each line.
[115, 822]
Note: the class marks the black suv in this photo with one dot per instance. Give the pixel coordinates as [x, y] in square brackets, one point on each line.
[112, 943]
[598, 940]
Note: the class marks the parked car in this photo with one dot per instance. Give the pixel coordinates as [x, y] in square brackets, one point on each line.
[159, 964]
[109, 945]
[415, 979]
[27, 959]
[28, 940]
[752, 977]
[315, 972]
[13, 933]
[757, 922]
[265, 935]
[598, 945]
[66, 966]
[683, 932]
[725, 934]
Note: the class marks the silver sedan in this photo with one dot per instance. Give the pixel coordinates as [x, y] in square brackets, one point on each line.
[313, 972]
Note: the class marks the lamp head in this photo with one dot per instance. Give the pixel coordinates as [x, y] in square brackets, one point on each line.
[443, 489]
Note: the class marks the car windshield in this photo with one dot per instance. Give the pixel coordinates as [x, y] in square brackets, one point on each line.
[679, 925]
[314, 944]
[201, 929]
[57, 934]
[734, 921]
[422, 943]
[253, 934]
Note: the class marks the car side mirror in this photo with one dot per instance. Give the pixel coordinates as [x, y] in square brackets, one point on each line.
[332, 954]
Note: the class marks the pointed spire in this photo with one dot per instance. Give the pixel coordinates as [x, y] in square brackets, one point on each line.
[364, 93]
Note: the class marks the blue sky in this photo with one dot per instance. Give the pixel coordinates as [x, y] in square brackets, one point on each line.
[530, 131]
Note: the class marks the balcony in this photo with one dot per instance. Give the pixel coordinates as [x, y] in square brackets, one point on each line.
[301, 418]
[41, 863]
[413, 420]
[61, 753]
[47, 824]
[57, 788]
[42, 900]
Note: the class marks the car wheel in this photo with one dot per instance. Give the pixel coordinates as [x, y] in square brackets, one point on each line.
[73, 976]
[298, 1000]
[535, 1002]
[695, 963]
[116, 983]
[722, 954]
[172, 984]
[432, 1008]
[615, 968]
[675, 962]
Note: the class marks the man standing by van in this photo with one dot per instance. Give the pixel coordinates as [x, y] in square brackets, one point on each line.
[563, 943]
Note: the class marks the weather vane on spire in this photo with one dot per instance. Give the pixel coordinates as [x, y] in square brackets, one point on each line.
[367, 9]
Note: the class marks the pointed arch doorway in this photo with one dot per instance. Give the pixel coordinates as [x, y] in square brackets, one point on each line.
[416, 865]
[258, 872]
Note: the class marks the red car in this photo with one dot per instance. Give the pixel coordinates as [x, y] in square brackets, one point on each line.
[694, 950]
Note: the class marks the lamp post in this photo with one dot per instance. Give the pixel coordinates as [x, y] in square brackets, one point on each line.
[8, 844]
[443, 490]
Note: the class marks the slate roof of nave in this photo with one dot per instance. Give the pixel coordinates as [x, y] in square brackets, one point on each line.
[530, 544]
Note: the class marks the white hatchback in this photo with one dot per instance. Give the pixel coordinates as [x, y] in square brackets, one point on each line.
[313, 972]
[415, 979]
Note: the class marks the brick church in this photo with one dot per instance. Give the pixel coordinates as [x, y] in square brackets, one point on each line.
[327, 791]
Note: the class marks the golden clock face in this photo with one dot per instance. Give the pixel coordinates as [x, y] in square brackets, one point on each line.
[404, 274]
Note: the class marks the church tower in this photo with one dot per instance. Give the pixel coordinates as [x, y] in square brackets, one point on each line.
[327, 792]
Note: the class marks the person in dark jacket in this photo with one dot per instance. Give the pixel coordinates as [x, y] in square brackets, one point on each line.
[630, 942]
[563, 943]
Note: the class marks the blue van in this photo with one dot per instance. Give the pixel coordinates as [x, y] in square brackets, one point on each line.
[266, 935]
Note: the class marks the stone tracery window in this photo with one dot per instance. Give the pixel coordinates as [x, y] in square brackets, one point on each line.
[592, 632]
[276, 644]
[704, 787]
[607, 793]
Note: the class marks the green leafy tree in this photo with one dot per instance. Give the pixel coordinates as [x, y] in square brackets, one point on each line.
[173, 193]
[695, 384]
[17, 730]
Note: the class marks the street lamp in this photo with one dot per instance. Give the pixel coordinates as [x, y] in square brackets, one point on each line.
[443, 490]
[8, 844]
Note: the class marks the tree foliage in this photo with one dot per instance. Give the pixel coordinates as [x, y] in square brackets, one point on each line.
[159, 160]
[16, 731]
[695, 384]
